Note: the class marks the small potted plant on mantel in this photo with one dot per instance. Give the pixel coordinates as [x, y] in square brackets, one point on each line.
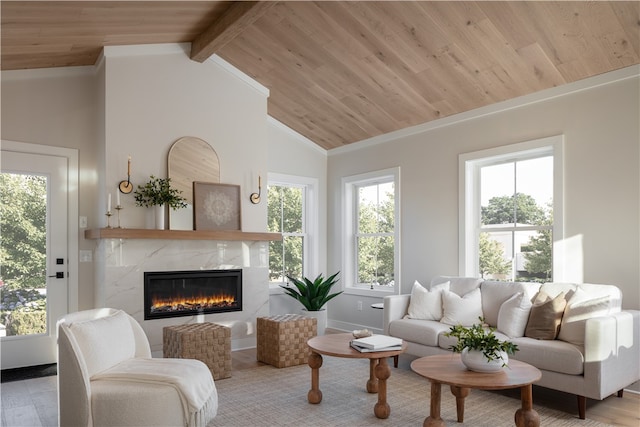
[480, 350]
[313, 295]
[158, 193]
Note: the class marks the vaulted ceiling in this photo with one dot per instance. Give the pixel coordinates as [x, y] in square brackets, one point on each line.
[340, 72]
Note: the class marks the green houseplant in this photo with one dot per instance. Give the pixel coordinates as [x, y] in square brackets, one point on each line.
[313, 295]
[158, 192]
[483, 340]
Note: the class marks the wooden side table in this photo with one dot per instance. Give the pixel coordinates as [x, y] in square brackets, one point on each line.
[448, 369]
[338, 345]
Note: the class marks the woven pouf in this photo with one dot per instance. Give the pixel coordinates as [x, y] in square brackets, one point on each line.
[207, 342]
[282, 340]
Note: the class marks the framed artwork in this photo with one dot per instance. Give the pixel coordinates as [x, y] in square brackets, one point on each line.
[216, 206]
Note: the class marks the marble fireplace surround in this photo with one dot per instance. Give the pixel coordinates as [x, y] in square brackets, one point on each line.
[121, 263]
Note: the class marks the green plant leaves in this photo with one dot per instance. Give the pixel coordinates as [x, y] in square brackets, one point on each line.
[313, 295]
[157, 192]
[476, 337]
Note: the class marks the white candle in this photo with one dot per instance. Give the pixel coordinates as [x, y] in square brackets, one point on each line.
[117, 199]
[109, 203]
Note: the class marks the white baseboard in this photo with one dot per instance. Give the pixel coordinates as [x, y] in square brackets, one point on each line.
[348, 327]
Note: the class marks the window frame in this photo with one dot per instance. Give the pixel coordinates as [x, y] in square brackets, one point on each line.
[469, 165]
[310, 250]
[350, 185]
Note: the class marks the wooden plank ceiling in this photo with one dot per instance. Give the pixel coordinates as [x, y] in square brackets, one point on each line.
[340, 72]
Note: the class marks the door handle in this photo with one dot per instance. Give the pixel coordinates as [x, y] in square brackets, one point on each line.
[58, 275]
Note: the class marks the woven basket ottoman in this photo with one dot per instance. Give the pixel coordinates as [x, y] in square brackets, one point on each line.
[282, 340]
[207, 342]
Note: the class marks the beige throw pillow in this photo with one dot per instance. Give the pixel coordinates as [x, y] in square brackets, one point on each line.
[545, 316]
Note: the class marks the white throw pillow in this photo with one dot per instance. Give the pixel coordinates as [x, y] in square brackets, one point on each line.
[105, 341]
[580, 307]
[463, 310]
[425, 304]
[513, 315]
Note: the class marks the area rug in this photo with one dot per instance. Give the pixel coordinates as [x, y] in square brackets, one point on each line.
[268, 396]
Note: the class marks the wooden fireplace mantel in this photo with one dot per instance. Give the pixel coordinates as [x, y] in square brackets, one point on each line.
[139, 233]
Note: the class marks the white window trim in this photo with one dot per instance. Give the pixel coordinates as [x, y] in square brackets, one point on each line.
[310, 221]
[348, 229]
[468, 178]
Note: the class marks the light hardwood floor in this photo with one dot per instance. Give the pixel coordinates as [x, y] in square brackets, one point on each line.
[33, 403]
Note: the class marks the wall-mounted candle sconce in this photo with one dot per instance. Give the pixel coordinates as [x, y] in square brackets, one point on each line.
[126, 187]
[255, 197]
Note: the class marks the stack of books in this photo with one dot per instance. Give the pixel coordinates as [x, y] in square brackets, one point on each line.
[376, 343]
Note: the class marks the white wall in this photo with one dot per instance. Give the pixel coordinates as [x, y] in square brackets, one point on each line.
[602, 182]
[292, 154]
[156, 98]
[59, 107]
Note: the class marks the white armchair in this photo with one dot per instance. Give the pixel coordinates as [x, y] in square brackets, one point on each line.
[107, 377]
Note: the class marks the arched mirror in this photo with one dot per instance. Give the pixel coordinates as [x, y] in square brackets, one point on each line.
[190, 159]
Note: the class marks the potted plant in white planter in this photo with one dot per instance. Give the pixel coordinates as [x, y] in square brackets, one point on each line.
[158, 193]
[480, 349]
[313, 295]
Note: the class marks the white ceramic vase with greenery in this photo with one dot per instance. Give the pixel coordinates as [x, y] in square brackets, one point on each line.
[159, 194]
[480, 350]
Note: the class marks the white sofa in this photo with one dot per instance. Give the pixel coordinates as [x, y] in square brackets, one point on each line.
[106, 376]
[595, 354]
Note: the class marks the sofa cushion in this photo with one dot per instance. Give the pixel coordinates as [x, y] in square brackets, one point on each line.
[424, 332]
[580, 307]
[458, 285]
[493, 295]
[425, 304]
[556, 356]
[545, 316]
[514, 315]
[105, 341]
[463, 310]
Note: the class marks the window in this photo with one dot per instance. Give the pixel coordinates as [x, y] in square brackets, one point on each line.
[371, 219]
[290, 202]
[511, 198]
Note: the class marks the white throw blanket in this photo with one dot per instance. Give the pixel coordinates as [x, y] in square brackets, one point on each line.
[197, 392]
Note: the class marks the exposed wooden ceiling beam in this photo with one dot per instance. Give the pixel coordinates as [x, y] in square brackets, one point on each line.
[235, 20]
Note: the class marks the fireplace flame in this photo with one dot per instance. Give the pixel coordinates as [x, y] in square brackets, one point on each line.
[192, 303]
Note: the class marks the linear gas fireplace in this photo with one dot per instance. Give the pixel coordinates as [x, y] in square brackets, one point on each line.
[186, 293]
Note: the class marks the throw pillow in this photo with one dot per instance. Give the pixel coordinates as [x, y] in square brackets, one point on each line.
[513, 315]
[463, 310]
[545, 316]
[105, 341]
[581, 307]
[425, 304]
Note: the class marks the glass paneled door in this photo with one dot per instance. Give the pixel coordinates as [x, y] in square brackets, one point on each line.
[33, 256]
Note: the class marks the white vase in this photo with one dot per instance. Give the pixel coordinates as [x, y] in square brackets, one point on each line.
[476, 361]
[158, 212]
[321, 317]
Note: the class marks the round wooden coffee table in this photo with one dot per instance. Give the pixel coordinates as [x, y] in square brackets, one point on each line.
[448, 369]
[337, 345]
